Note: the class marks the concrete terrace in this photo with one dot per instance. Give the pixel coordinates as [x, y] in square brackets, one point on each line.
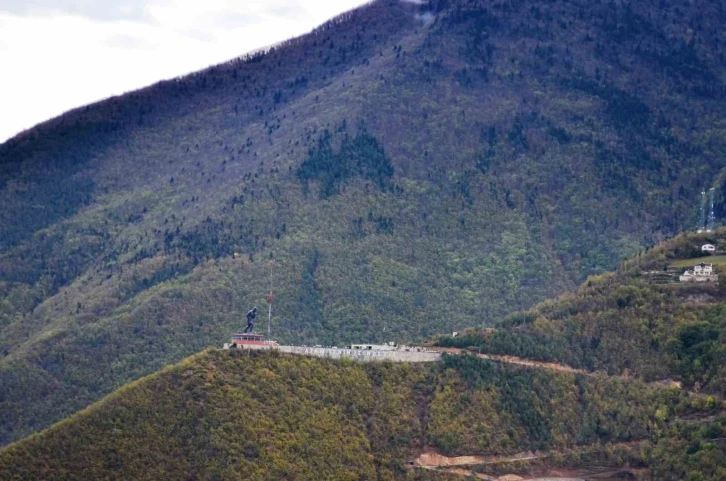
[412, 354]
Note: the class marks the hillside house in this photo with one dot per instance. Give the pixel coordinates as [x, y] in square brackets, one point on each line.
[710, 248]
[700, 273]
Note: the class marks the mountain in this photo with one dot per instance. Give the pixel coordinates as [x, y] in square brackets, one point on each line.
[639, 321]
[406, 169]
[621, 378]
[232, 415]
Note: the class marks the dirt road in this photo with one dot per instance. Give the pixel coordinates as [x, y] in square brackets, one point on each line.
[543, 365]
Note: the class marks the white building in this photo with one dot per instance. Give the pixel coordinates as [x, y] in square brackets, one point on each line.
[701, 273]
[708, 248]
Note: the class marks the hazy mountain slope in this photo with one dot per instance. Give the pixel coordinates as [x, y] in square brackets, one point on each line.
[232, 415]
[402, 171]
[629, 321]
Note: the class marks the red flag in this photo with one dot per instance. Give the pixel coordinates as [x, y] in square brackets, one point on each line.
[270, 298]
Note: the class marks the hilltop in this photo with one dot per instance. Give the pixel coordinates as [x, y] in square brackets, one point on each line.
[628, 322]
[401, 171]
[263, 415]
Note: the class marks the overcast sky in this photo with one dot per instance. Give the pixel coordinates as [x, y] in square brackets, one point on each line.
[56, 55]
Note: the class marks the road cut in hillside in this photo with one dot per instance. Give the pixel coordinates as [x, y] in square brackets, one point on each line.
[461, 465]
[544, 365]
[430, 458]
[517, 360]
[418, 354]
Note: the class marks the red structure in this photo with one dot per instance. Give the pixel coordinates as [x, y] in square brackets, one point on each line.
[241, 341]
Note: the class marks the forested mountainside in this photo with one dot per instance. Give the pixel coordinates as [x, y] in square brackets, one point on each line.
[638, 320]
[403, 170]
[264, 415]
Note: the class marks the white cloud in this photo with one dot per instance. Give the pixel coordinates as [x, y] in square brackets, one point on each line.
[98, 10]
[53, 62]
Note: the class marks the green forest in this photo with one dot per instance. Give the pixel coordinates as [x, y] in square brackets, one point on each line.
[264, 415]
[401, 171]
[626, 322]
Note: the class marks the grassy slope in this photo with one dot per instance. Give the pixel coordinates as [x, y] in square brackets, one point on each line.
[221, 415]
[624, 323]
[522, 162]
[716, 260]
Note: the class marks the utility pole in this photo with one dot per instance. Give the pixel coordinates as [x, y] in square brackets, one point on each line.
[702, 225]
[711, 212]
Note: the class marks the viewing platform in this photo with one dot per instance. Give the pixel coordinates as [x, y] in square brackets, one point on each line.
[356, 352]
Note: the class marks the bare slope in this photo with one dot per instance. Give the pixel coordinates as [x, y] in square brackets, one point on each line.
[404, 169]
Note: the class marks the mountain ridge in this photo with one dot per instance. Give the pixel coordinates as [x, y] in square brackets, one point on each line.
[638, 321]
[520, 163]
[266, 415]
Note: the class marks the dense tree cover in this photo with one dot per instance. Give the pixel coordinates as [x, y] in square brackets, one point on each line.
[361, 156]
[239, 415]
[625, 323]
[693, 451]
[480, 157]
[506, 410]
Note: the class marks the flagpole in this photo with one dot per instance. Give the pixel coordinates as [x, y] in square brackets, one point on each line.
[269, 314]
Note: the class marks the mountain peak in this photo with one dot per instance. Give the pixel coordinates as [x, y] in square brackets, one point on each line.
[405, 169]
